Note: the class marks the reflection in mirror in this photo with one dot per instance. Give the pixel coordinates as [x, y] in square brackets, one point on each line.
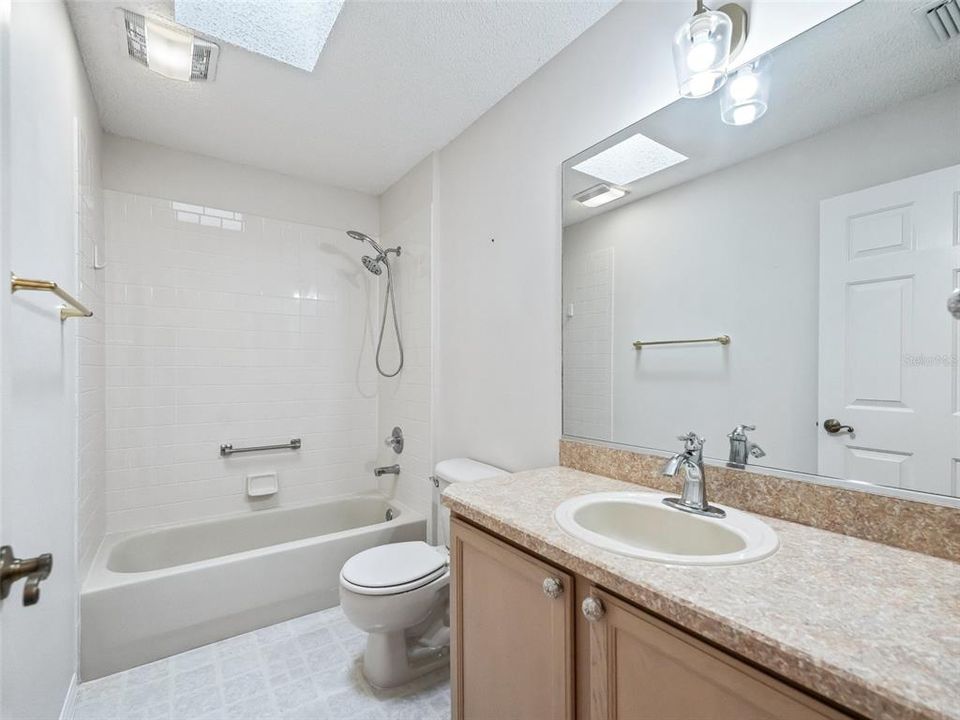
[805, 261]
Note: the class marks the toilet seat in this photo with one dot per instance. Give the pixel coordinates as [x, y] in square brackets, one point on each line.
[395, 568]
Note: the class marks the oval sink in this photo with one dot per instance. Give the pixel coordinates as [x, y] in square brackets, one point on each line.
[639, 525]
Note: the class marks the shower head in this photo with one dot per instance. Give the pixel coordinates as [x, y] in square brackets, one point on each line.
[372, 264]
[362, 237]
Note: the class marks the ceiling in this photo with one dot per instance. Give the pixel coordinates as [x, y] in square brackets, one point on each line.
[395, 81]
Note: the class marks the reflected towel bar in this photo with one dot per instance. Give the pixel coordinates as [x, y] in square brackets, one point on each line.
[722, 339]
[76, 309]
[228, 449]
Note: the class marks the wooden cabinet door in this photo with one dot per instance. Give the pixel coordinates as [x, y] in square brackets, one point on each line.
[511, 643]
[644, 669]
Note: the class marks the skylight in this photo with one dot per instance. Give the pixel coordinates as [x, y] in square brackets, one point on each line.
[291, 32]
[629, 160]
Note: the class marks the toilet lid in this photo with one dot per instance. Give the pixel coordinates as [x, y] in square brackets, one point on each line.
[391, 565]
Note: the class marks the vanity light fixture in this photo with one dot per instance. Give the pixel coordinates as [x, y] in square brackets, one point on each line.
[704, 46]
[599, 195]
[744, 97]
[168, 49]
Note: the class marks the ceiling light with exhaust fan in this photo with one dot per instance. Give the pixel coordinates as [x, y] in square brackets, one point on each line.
[168, 49]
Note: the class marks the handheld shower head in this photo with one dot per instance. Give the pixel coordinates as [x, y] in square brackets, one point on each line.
[372, 264]
[362, 237]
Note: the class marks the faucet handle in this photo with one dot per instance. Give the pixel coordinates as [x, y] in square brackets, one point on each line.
[691, 441]
[741, 431]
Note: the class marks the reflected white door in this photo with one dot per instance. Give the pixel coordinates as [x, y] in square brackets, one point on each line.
[889, 258]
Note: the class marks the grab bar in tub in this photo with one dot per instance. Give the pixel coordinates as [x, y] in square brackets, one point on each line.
[228, 449]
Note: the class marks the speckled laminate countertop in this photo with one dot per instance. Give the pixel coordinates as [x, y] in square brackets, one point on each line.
[872, 627]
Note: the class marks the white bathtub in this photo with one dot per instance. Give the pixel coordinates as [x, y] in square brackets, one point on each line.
[155, 593]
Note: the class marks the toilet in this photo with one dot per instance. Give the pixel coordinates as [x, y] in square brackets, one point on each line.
[399, 593]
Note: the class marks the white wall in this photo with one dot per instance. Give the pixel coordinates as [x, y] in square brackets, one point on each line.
[499, 330]
[753, 275]
[49, 101]
[406, 219]
[253, 332]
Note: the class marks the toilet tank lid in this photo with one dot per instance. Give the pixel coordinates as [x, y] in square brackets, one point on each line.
[465, 470]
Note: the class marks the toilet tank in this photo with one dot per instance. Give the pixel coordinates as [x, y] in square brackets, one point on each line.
[456, 470]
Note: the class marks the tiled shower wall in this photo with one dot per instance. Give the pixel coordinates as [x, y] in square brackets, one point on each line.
[587, 337]
[91, 379]
[229, 327]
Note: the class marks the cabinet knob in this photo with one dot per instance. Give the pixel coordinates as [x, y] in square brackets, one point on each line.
[552, 588]
[592, 609]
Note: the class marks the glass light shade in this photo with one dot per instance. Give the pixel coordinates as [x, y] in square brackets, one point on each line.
[701, 51]
[745, 96]
[169, 51]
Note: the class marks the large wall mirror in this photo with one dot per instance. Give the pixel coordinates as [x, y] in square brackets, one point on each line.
[793, 274]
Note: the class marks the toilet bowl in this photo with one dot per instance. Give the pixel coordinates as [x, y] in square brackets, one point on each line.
[399, 593]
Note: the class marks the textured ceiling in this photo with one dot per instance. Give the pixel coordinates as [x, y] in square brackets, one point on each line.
[395, 81]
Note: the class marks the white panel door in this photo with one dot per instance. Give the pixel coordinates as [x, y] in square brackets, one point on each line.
[889, 258]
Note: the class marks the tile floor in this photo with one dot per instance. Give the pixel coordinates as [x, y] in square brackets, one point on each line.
[303, 669]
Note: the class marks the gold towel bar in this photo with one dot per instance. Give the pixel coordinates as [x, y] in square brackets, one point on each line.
[722, 339]
[76, 309]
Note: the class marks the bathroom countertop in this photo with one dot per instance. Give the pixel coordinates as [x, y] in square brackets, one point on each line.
[874, 628]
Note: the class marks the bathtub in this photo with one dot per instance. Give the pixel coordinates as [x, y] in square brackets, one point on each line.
[151, 594]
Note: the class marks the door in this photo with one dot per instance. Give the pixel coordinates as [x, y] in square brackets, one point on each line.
[889, 258]
[512, 632]
[38, 365]
[643, 669]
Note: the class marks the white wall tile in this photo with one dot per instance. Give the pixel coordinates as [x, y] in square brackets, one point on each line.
[248, 336]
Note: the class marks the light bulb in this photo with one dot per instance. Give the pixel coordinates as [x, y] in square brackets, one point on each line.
[744, 86]
[744, 99]
[703, 84]
[701, 51]
[744, 114]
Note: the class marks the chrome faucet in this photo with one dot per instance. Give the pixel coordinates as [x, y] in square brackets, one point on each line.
[741, 449]
[693, 499]
[387, 470]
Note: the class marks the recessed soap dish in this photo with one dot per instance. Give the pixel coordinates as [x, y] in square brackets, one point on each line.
[262, 484]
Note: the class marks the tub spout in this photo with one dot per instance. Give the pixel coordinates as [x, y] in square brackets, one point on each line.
[387, 470]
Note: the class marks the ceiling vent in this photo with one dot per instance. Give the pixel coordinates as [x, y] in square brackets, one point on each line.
[944, 19]
[166, 48]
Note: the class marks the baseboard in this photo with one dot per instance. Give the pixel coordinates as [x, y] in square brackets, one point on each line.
[66, 712]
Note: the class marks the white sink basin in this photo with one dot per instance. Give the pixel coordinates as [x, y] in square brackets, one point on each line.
[639, 525]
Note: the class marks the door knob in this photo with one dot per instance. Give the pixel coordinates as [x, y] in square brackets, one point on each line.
[953, 303]
[833, 426]
[552, 588]
[592, 608]
[13, 568]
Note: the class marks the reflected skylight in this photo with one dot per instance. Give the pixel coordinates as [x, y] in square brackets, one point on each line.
[629, 160]
[290, 32]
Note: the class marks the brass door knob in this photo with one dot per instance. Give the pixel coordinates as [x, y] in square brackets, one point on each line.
[833, 426]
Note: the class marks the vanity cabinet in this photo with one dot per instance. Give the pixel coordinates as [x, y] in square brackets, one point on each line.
[533, 642]
[512, 620]
[641, 668]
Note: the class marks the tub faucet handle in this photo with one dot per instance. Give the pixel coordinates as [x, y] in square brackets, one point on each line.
[395, 440]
